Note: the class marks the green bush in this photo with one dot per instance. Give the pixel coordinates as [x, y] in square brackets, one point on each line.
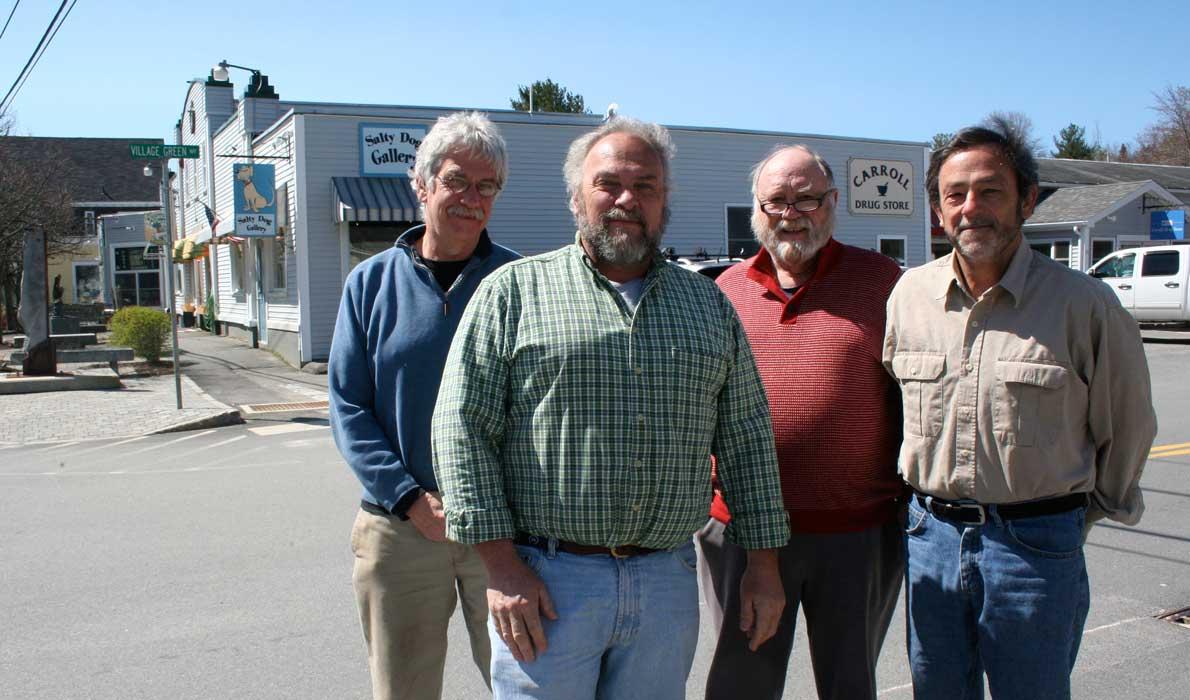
[143, 329]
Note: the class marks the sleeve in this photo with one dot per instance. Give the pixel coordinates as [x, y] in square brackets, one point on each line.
[469, 419]
[358, 433]
[745, 451]
[1121, 419]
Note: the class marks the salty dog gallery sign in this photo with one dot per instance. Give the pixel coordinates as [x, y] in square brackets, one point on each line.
[388, 150]
[881, 187]
[255, 200]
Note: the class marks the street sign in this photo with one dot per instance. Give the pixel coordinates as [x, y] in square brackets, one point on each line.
[157, 151]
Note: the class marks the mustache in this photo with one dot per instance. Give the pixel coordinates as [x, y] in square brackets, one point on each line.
[792, 226]
[974, 223]
[618, 214]
[465, 212]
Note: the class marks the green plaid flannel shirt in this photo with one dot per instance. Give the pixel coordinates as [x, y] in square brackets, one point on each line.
[564, 414]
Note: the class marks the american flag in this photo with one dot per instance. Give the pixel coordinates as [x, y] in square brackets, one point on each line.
[213, 220]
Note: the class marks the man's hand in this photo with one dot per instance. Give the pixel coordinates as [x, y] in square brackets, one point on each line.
[427, 516]
[762, 597]
[516, 599]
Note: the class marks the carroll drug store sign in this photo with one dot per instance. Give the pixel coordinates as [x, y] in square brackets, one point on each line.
[880, 187]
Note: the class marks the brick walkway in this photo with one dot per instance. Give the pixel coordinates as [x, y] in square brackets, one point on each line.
[144, 405]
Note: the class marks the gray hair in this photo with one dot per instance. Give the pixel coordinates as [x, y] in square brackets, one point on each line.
[783, 147]
[469, 132]
[655, 135]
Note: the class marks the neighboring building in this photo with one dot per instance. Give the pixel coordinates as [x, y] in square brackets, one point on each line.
[133, 259]
[342, 195]
[1087, 209]
[102, 178]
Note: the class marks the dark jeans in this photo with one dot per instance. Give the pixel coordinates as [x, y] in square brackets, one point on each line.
[846, 585]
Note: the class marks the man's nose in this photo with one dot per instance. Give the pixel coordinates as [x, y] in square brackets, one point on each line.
[626, 199]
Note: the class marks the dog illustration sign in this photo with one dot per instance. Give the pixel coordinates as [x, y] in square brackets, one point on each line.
[255, 200]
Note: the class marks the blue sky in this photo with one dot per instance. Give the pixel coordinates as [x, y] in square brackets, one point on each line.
[893, 70]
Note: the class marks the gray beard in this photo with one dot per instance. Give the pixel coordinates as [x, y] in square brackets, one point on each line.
[620, 250]
[792, 253]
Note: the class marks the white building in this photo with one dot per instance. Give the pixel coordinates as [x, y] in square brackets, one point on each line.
[341, 197]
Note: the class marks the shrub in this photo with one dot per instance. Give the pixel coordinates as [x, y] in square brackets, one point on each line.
[142, 329]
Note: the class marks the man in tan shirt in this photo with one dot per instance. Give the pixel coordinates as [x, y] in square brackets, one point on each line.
[1028, 416]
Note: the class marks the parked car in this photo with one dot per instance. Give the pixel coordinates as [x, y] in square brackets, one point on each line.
[1151, 282]
[705, 265]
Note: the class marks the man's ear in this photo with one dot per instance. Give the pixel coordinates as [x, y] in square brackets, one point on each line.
[1028, 202]
[419, 187]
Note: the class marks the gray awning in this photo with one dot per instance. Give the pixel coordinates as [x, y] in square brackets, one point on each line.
[374, 199]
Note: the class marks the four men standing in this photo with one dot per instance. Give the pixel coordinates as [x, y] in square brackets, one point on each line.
[586, 389]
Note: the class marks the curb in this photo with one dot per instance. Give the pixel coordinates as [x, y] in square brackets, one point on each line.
[219, 420]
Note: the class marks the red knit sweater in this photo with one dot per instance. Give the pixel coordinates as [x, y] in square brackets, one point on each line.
[836, 413]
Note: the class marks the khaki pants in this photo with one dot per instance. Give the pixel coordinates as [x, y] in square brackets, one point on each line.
[405, 586]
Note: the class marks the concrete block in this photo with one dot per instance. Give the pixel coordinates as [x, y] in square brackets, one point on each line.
[37, 385]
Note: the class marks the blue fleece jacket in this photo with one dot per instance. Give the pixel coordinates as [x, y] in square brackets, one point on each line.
[391, 337]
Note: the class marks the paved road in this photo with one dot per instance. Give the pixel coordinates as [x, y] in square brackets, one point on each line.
[214, 564]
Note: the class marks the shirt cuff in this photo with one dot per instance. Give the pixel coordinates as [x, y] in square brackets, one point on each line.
[404, 503]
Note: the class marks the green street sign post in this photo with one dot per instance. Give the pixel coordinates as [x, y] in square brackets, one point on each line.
[157, 151]
[164, 152]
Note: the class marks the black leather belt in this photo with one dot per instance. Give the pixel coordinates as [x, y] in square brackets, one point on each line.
[622, 551]
[977, 513]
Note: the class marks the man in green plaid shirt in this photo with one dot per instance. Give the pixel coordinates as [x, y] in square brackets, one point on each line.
[584, 393]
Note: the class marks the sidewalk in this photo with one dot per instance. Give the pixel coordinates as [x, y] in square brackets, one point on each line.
[219, 375]
[145, 405]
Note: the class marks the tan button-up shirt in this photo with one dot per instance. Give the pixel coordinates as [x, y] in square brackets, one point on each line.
[1037, 389]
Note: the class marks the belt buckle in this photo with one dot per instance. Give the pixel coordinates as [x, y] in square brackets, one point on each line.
[983, 514]
[617, 553]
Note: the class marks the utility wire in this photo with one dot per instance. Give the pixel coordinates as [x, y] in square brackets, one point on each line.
[42, 45]
[43, 50]
[10, 14]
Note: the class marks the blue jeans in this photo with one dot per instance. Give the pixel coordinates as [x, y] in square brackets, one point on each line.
[626, 628]
[1007, 598]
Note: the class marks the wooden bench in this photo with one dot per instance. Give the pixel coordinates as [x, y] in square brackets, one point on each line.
[62, 340]
[108, 355]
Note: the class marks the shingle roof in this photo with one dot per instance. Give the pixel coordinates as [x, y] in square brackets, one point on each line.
[1062, 171]
[1080, 204]
[97, 170]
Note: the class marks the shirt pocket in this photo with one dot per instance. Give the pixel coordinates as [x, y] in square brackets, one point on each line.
[1027, 401]
[920, 375]
[697, 377]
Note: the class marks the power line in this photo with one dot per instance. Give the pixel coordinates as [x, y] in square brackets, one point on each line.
[10, 14]
[46, 37]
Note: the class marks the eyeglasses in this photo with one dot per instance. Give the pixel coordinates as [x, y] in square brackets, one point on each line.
[459, 185]
[805, 206]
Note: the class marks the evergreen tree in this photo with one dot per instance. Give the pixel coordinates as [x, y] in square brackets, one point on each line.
[548, 96]
[1071, 142]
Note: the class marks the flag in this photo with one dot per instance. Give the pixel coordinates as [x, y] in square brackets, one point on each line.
[213, 221]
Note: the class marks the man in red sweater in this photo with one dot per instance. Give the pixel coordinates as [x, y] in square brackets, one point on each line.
[813, 310]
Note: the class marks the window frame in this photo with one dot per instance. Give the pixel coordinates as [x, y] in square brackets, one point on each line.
[903, 263]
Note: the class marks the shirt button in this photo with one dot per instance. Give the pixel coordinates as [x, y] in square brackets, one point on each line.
[640, 419]
[639, 371]
[635, 507]
[639, 463]
[975, 324]
[967, 367]
[913, 371]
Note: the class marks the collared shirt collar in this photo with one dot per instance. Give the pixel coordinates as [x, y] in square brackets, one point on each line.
[762, 270]
[1012, 281]
[482, 249]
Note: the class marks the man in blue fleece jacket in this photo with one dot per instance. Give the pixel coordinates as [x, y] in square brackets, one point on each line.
[399, 311]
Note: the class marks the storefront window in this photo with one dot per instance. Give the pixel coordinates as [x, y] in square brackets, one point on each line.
[893, 247]
[87, 289]
[137, 278]
[372, 238]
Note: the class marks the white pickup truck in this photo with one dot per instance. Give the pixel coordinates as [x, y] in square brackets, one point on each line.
[1151, 282]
